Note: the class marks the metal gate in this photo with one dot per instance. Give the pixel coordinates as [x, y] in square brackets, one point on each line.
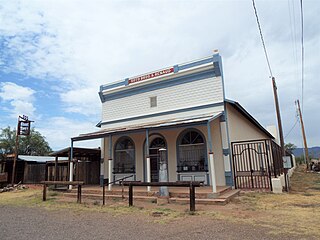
[252, 164]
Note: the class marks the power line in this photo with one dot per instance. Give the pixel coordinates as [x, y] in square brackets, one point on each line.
[292, 22]
[302, 55]
[292, 128]
[263, 44]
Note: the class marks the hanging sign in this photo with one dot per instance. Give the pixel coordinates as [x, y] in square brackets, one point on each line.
[24, 125]
[150, 75]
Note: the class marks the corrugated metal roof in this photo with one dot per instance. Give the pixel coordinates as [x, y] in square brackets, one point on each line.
[160, 124]
[38, 158]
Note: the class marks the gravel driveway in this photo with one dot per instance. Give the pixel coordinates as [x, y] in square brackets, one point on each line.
[39, 223]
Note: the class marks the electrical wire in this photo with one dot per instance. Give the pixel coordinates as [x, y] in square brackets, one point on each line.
[292, 128]
[302, 55]
[292, 22]
[261, 36]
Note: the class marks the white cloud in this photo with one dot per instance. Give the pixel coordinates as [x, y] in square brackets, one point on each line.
[79, 45]
[85, 101]
[19, 98]
[59, 130]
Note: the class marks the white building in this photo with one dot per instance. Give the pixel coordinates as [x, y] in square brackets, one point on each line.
[183, 109]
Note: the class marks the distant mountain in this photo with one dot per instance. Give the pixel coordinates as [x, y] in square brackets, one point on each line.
[314, 152]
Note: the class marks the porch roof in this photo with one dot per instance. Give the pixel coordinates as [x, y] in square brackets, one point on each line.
[201, 119]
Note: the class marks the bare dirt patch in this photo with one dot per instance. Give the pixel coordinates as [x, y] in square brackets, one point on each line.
[295, 214]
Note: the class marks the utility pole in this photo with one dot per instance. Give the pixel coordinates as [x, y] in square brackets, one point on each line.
[15, 154]
[23, 128]
[303, 135]
[276, 101]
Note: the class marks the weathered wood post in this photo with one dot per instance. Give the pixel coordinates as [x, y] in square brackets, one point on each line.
[192, 198]
[79, 194]
[44, 194]
[130, 195]
[105, 182]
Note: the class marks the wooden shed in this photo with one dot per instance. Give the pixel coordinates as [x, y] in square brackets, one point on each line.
[86, 165]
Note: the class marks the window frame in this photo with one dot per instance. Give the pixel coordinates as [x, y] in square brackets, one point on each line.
[200, 165]
[125, 167]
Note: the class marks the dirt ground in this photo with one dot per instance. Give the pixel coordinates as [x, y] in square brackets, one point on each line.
[252, 215]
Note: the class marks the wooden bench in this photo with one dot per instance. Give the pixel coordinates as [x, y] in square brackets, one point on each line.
[192, 185]
[73, 183]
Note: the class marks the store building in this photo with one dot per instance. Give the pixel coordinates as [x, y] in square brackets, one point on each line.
[181, 109]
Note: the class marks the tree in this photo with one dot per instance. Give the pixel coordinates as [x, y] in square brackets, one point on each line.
[34, 144]
[290, 147]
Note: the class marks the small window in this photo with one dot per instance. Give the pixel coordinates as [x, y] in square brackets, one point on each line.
[153, 101]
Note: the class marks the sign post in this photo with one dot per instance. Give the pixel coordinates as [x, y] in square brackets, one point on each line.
[286, 165]
[23, 128]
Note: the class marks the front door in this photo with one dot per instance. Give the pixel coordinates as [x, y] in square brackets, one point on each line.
[155, 145]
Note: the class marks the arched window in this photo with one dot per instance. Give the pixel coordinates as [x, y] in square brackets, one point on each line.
[192, 154]
[124, 156]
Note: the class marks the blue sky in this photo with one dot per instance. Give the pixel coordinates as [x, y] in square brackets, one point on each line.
[54, 55]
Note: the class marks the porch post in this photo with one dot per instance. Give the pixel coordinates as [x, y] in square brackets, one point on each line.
[226, 150]
[110, 163]
[56, 168]
[148, 160]
[211, 162]
[71, 164]
[102, 162]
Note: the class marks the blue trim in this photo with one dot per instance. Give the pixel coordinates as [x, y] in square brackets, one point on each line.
[209, 137]
[226, 151]
[98, 124]
[147, 142]
[112, 85]
[110, 147]
[217, 70]
[194, 64]
[215, 117]
[139, 130]
[215, 59]
[229, 178]
[101, 96]
[159, 85]
[164, 113]
[223, 117]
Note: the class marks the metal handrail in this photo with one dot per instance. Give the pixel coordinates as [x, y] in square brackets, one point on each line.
[120, 179]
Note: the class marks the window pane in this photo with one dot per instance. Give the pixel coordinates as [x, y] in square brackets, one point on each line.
[192, 152]
[124, 157]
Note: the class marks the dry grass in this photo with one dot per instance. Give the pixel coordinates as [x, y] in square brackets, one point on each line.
[55, 201]
[295, 213]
